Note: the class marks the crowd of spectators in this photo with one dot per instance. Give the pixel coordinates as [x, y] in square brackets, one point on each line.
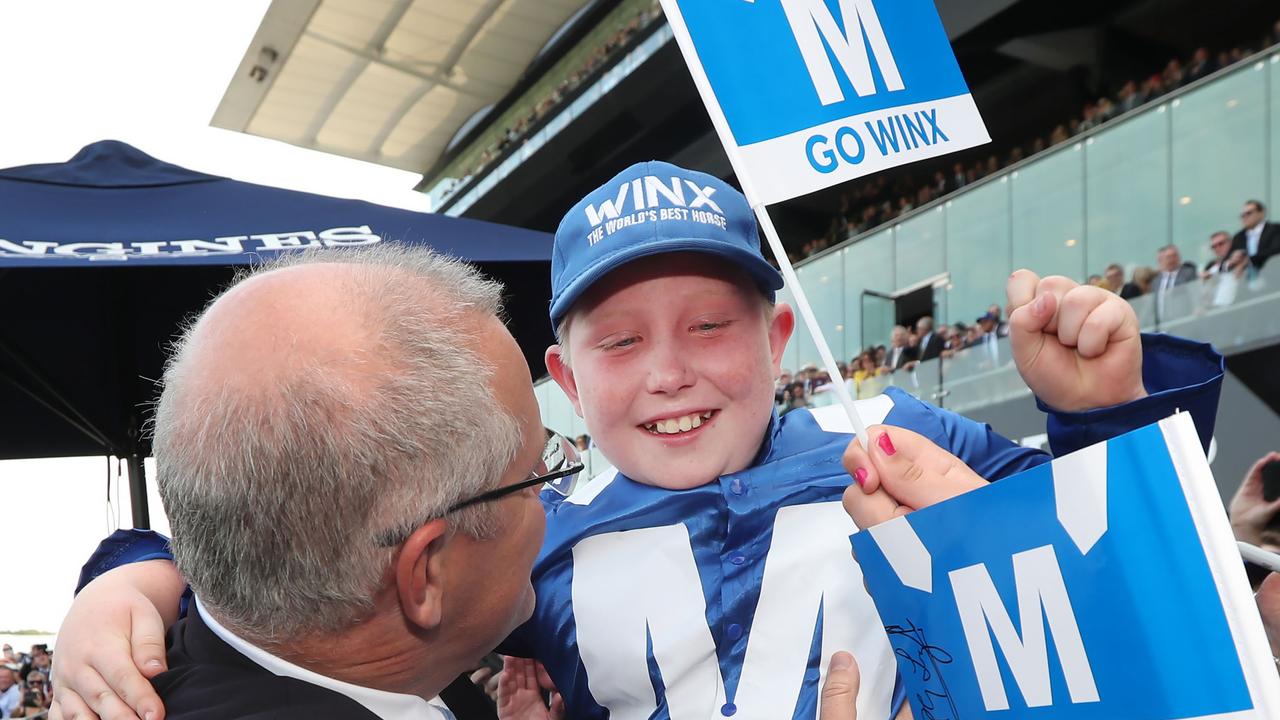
[1235, 258]
[868, 373]
[25, 691]
[515, 133]
[876, 200]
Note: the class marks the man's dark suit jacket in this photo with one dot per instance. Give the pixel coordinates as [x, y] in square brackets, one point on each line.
[1216, 265]
[932, 349]
[1268, 244]
[908, 354]
[208, 679]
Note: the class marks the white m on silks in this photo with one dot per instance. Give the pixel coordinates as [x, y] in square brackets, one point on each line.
[1039, 583]
[638, 584]
[812, 23]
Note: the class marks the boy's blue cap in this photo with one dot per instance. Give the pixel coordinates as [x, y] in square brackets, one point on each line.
[651, 208]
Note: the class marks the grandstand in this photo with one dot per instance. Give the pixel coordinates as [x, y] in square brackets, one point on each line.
[1112, 137]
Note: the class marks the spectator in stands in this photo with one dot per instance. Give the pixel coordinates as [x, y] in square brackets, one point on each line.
[780, 388]
[1090, 115]
[1001, 327]
[1152, 88]
[1220, 245]
[865, 367]
[957, 179]
[10, 691]
[1257, 239]
[988, 326]
[1128, 98]
[582, 442]
[1113, 276]
[1140, 284]
[794, 398]
[35, 696]
[881, 354]
[1201, 65]
[1274, 37]
[1096, 281]
[900, 351]
[1173, 75]
[1173, 272]
[930, 343]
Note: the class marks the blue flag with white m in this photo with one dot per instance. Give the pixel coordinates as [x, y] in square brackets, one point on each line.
[1105, 584]
[811, 93]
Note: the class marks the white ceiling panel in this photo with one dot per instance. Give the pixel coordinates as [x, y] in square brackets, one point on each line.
[386, 81]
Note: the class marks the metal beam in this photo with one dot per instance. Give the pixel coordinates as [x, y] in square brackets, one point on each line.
[138, 492]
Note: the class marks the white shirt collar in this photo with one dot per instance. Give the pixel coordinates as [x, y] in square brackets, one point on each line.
[384, 704]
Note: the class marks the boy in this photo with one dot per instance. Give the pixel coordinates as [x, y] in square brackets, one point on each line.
[710, 574]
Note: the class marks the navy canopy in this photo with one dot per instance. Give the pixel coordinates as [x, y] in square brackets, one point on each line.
[101, 259]
[114, 204]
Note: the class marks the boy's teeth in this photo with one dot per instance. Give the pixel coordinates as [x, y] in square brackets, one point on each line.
[671, 426]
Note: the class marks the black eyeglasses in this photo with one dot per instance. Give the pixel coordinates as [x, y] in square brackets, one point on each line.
[559, 460]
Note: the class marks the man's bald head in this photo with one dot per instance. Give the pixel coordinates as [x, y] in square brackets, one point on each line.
[322, 402]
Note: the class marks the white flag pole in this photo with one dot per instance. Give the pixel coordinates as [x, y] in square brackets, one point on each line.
[811, 322]
[676, 19]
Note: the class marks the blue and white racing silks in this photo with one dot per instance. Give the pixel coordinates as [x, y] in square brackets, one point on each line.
[728, 599]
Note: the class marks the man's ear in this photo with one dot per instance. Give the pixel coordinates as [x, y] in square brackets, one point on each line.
[420, 574]
[563, 375]
[780, 329]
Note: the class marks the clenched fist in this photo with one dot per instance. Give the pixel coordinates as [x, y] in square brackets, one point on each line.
[1078, 347]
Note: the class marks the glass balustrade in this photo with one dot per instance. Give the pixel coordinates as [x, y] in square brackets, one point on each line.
[1173, 171]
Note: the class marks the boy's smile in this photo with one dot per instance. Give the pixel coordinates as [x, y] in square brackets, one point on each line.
[673, 361]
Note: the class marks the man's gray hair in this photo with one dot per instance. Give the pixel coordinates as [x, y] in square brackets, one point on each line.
[276, 498]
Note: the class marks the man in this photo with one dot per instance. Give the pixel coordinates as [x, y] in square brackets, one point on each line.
[1001, 327]
[1113, 276]
[1220, 245]
[10, 691]
[353, 510]
[900, 351]
[716, 545]
[1257, 239]
[1173, 272]
[931, 343]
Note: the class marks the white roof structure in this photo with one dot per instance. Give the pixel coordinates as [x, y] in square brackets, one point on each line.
[385, 81]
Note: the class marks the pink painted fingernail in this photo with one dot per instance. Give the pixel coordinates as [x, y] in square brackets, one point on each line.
[861, 476]
[886, 444]
[1041, 303]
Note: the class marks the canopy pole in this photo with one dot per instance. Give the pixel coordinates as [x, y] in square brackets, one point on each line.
[138, 492]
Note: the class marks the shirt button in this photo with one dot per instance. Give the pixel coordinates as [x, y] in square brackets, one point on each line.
[734, 631]
[728, 709]
[738, 559]
[735, 487]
